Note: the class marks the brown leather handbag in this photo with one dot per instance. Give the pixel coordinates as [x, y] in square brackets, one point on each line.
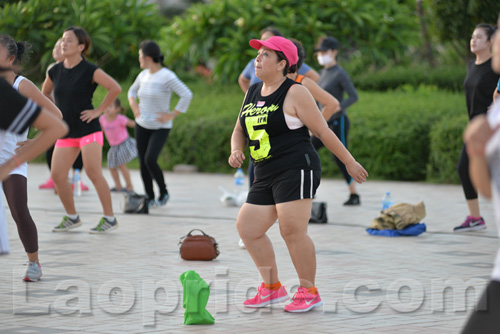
[198, 247]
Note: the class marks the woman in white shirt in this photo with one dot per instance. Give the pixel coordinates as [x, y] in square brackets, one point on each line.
[15, 187]
[154, 119]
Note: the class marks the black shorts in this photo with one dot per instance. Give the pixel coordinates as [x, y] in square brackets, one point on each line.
[291, 185]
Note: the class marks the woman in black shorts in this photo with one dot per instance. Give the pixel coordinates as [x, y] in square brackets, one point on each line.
[276, 127]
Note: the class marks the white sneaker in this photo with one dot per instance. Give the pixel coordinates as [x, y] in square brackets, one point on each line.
[241, 244]
[33, 273]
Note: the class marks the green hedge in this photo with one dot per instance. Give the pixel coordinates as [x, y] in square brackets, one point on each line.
[392, 134]
[445, 77]
[405, 134]
[446, 144]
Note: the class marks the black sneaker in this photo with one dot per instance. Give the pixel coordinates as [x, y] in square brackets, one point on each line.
[353, 200]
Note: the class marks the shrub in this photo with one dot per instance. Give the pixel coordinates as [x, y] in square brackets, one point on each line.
[390, 132]
[202, 136]
[405, 134]
[446, 143]
[115, 26]
[444, 77]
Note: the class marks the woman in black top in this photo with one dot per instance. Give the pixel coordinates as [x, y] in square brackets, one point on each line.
[275, 120]
[74, 81]
[479, 82]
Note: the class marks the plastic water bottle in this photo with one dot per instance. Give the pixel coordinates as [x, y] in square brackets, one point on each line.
[77, 183]
[387, 201]
[239, 181]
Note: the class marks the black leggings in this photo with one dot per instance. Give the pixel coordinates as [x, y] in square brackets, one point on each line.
[340, 127]
[15, 189]
[463, 173]
[149, 146]
[78, 164]
[485, 319]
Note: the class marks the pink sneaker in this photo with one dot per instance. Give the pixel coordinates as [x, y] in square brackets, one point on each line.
[303, 301]
[84, 187]
[47, 185]
[265, 297]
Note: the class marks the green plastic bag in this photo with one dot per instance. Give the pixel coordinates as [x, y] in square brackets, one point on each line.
[194, 299]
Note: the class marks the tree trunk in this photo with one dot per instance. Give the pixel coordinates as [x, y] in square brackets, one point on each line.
[425, 35]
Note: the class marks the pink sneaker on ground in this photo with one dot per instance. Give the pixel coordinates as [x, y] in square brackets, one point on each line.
[303, 301]
[47, 185]
[84, 187]
[266, 296]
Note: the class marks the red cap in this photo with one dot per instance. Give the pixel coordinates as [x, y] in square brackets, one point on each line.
[278, 43]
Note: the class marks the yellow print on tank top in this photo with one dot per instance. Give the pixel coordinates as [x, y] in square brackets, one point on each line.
[255, 123]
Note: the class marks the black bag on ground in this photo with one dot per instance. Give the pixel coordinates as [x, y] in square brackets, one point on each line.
[135, 203]
[318, 213]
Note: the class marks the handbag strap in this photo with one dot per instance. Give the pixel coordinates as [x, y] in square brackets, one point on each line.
[189, 234]
[196, 229]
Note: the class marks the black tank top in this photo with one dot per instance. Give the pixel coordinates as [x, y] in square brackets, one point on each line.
[73, 92]
[273, 146]
[480, 83]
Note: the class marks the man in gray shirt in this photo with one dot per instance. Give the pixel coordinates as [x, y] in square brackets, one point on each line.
[335, 80]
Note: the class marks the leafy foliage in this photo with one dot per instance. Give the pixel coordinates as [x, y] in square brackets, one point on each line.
[446, 143]
[444, 77]
[391, 132]
[115, 26]
[455, 20]
[405, 134]
[396, 135]
[373, 32]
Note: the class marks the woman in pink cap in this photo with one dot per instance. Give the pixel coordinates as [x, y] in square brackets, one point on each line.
[275, 120]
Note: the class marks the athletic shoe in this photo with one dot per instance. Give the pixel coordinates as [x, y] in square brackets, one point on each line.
[353, 200]
[47, 185]
[67, 224]
[266, 296]
[471, 224]
[33, 273]
[303, 301]
[104, 226]
[151, 203]
[162, 200]
[241, 244]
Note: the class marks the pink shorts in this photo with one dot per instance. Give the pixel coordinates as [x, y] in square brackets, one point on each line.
[80, 142]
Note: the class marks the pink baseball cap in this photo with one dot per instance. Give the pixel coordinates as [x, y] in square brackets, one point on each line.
[278, 43]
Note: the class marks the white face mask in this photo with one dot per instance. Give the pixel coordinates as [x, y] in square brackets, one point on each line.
[325, 59]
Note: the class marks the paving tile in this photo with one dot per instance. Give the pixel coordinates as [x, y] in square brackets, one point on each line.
[128, 281]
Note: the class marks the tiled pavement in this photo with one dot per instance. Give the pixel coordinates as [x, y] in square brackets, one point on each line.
[128, 281]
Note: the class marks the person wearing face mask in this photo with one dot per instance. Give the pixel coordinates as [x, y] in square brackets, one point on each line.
[335, 80]
[479, 82]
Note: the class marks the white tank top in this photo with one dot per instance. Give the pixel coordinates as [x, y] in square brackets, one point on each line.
[10, 140]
